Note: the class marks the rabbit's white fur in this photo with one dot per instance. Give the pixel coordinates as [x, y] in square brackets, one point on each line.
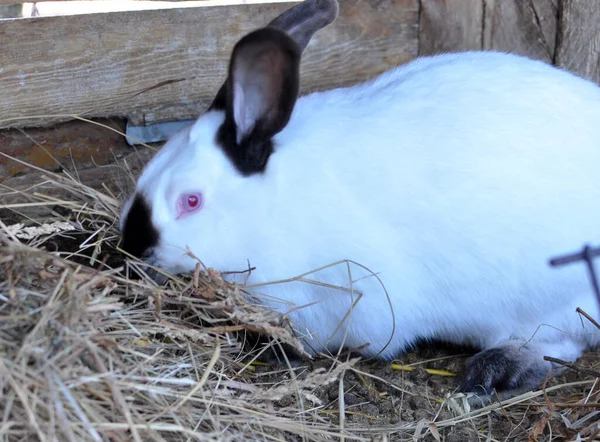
[454, 178]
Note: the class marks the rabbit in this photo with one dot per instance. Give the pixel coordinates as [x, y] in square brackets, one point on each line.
[429, 198]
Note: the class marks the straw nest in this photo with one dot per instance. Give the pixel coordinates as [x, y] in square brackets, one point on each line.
[88, 354]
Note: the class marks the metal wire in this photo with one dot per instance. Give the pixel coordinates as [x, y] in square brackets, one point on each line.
[587, 254]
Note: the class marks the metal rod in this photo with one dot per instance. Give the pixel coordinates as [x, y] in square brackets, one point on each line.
[574, 257]
[587, 254]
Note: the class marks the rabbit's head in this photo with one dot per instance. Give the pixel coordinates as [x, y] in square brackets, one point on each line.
[195, 190]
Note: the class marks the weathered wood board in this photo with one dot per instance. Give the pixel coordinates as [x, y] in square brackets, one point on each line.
[73, 145]
[168, 64]
[579, 38]
[526, 27]
[16, 2]
[450, 26]
[562, 32]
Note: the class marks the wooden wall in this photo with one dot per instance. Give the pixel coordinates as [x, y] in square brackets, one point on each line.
[562, 32]
[168, 64]
[163, 65]
[159, 65]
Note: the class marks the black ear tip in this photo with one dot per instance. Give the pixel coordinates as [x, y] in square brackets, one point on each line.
[260, 94]
[329, 8]
[268, 37]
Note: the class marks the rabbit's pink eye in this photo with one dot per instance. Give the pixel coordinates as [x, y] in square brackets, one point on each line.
[192, 201]
[189, 202]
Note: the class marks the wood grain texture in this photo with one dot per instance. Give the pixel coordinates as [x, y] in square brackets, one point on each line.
[579, 38]
[18, 2]
[450, 26]
[168, 64]
[73, 145]
[525, 27]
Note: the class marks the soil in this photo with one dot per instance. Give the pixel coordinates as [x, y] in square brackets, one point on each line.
[382, 399]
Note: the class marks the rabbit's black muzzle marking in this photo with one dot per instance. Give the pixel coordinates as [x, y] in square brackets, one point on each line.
[139, 234]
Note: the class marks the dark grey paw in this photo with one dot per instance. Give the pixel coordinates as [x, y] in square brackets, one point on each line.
[275, 353]
[281, 354]
[503, 369]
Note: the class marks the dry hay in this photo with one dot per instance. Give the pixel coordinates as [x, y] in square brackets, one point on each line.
[87, 354]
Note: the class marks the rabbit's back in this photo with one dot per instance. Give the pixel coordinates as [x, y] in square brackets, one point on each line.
[493, 132]
[455, 178]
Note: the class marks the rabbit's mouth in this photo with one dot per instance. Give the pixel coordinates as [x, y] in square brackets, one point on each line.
[159, 268]
[154, 269]
[148, 268]
[158, 277]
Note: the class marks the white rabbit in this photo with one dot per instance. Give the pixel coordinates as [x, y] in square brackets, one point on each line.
[453, 178]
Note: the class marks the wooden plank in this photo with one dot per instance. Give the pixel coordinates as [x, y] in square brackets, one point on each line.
[71, 146]
[579, 38]
[75, 7]
[525, 27]
[168, 64]
[450, 26]
[18, 2]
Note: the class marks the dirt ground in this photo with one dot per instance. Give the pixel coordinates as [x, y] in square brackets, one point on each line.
[381, 397]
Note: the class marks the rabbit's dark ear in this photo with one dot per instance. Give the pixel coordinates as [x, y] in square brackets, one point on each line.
[260, 94]
[303, 20]
[300, 22]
